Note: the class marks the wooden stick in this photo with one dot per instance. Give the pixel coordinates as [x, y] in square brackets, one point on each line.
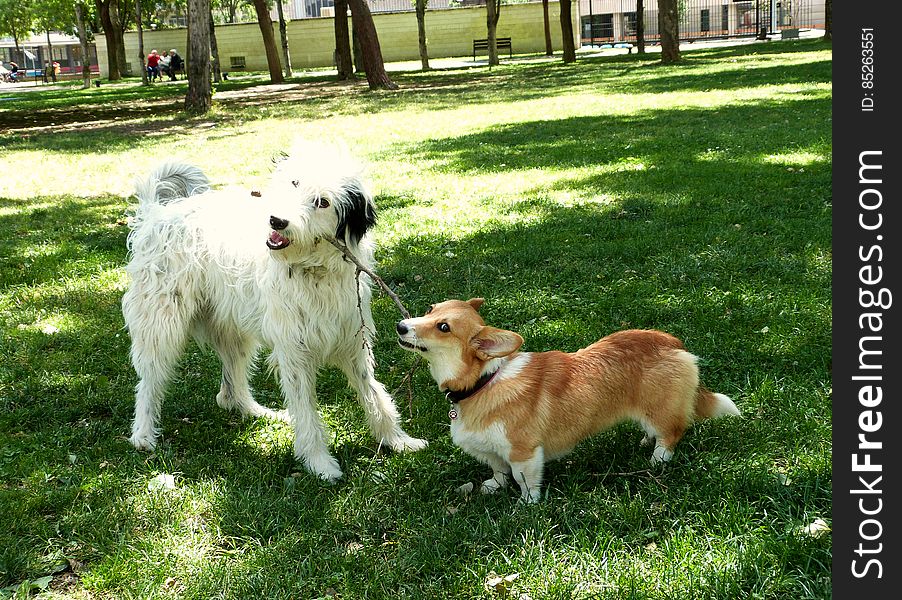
[361, 267]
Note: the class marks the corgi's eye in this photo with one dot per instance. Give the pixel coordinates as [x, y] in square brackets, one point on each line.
[321, 203]
[444, 327]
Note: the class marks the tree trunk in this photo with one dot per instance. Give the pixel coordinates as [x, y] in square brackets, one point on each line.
[199, 98]
[214, 51]
[358, 53]
[669, 28]
[828, 20]
[492, 12]
[640, 26]
[103, 12]
[342, 42]
[283, 33]
[567, 32]
[269, 42]
[49, 54]
[549, 49]
[116, 23]
[371, 52]
[421, 33]
[140, 26]
[83, 41]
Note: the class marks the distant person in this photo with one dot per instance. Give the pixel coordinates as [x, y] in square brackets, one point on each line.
[164, 64]
[176, 64]
[13, 72]
[4, 73]
[50, 69]
[153, 66]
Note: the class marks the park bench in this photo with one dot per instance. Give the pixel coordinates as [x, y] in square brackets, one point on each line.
[500, 44]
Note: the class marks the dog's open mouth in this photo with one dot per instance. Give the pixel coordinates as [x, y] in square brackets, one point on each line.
[411, 346]
[277, 241]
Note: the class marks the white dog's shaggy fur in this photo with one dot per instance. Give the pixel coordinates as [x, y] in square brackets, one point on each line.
[234, 268]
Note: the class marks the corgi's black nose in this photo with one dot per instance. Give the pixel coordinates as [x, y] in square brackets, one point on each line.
[402, 328]
[277, 223]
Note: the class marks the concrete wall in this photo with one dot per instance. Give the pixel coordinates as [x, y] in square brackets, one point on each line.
[450, 33]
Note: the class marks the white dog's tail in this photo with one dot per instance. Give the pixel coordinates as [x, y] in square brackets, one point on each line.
[171, 181]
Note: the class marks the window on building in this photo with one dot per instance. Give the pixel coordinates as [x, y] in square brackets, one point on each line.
[705, 20]
[629, 23]
[598, 26]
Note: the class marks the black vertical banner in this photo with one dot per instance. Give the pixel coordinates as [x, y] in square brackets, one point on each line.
[867, 370]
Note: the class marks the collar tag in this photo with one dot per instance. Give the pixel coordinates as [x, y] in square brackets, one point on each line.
[452, 414]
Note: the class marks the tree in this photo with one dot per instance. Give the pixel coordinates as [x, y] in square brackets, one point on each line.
[269, 41]
[199, 98]
[420, 6]
[342, 42]
[365, 32]
[108, 12]
[549, 49]
[140, 26]
[828, 20]
[669, 27]
[567, 32]
[16, 21]
[283, 33]
[492, 12]
[640, 26]
[80, 11]
[214, 50]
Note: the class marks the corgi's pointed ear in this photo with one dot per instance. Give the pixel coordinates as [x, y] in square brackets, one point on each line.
[475, 303]
[495, 343]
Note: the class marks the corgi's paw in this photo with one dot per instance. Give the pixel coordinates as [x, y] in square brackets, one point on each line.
[490, 486]
[661, 455]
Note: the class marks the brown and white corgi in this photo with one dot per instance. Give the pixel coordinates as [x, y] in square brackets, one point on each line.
[516, 410]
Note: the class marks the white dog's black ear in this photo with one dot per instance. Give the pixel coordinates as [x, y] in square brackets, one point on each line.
[356, 215]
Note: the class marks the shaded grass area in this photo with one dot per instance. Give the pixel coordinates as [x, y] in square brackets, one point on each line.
[694, 199]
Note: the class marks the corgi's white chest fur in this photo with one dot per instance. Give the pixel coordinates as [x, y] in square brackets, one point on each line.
[482, 443]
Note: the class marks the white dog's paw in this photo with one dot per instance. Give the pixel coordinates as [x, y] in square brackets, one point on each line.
[143, 441]
[466, 489]
[325, 467]
[405, 443]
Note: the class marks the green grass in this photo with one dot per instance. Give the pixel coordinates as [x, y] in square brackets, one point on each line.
[577, 200]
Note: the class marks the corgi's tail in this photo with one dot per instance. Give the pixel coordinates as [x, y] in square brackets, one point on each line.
[709, 405]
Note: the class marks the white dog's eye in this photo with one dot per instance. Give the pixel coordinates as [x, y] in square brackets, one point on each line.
[321, 203]
[444, 327]
[295, 183]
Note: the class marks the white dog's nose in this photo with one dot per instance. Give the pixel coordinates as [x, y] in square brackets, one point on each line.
[277, 223]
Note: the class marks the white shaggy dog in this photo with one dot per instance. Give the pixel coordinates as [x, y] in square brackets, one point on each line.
[234, 268]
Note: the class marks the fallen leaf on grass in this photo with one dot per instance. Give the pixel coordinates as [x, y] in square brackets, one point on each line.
[500, 585]
[817, 529]
[162, 482]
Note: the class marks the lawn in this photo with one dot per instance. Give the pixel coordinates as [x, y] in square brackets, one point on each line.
[576, 199]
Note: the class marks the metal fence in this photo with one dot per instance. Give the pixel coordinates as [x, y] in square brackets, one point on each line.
[613, 21]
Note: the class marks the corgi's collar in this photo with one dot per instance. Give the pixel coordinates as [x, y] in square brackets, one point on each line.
[455, 396]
